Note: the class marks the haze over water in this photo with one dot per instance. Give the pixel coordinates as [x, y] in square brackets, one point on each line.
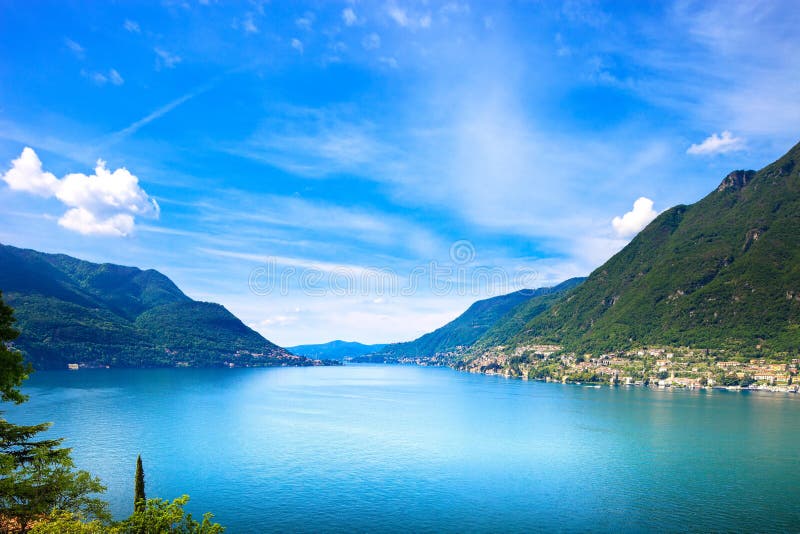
[392, 448]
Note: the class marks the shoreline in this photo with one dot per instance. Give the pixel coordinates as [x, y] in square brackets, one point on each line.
[792, 389]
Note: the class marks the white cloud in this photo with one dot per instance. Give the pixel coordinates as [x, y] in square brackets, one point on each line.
[305, 22]
[101, 78]
[85, 222]
[104, 203]
[349, 16]
[371, 41]
[297, 45]
[115, 78]
[635, 220]
[398, 15]
[26, 174]
[717, 144]
[403, 19]
[77, 49]
[166, 59]
[132, 26]
[284, 261]
[248, 25]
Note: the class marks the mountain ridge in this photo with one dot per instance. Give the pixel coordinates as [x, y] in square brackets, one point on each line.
[722, 273]
[335, 350]
[73, 311]
[461, 333]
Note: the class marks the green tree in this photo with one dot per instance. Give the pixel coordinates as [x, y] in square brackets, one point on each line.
[59, 522]
[36, 474]
[138, 489]
[13, 371]
[164, 517]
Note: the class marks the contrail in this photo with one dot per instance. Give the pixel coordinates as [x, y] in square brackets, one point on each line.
[160, 112]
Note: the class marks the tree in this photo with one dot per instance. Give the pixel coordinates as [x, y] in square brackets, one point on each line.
[162, 516]
[36, 474]
[13, 371]
[59, 522]
[138, 488]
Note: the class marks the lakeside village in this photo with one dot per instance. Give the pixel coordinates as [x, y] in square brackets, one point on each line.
[653, 367]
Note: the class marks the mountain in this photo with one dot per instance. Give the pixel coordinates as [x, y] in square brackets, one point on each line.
[74, 311]
[518, 317]
[462, 332]
[335, 350]
[723, 273]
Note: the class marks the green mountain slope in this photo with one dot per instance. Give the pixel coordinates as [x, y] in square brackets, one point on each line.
[520, 316]
[335, 350]
[462, 332]
[73, 311]
[723, 273]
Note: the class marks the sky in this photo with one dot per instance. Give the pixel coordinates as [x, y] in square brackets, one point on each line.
[366, 170]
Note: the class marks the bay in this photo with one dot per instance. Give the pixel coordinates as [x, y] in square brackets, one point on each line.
[395, 449]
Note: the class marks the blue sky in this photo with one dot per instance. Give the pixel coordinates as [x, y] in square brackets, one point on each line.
[275, 156]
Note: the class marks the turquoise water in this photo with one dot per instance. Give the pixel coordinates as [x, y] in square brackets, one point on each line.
[391, 448]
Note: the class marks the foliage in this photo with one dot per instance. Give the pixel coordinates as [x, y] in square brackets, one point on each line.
[60, 522]
[139, 496]
[36, 474]
[12, 370]
[156, 516]
[162, 516]
[514, 322]
[70, 310]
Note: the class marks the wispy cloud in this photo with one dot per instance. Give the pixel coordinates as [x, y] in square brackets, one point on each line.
[283, 261]
[297, 45]
[157, 114]
[305, 22]
[404, 19]
[314, 142]
[101, 78]
[246, 24]
[166, 59]
[252, 215]
[132, 26]
[76, 49]
[349, 16]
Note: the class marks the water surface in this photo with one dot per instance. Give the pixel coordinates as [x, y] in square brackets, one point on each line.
[391, 448]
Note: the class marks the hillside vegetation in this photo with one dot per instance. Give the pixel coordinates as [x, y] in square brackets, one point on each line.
[479, 319]
[74, 311]
[723, 273]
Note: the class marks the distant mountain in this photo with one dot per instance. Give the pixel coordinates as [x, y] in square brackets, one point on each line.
[465, 330]
[723, 273]
[73, 311]
[335, 350]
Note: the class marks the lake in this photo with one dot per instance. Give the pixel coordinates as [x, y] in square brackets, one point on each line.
[395, 448]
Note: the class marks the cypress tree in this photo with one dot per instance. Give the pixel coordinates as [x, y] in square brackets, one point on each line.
[138, 490]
